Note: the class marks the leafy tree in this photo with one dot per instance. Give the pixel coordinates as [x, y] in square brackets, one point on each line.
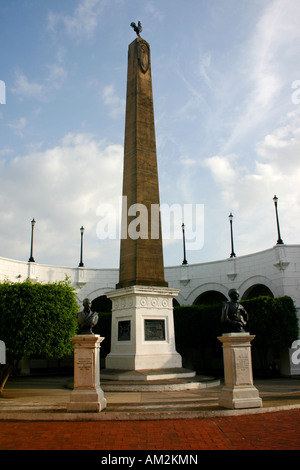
[36, 320]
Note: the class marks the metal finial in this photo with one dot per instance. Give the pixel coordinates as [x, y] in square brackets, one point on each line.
[137, 28]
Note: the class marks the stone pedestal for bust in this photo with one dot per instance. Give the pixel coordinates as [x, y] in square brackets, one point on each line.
[238, 391]
[87, 395]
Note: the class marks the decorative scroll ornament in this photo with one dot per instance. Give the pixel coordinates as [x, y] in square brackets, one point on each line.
[143, 55]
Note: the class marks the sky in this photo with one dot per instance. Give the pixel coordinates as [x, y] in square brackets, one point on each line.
[226, 90]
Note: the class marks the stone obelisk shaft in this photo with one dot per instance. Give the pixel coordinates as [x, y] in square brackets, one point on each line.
[141, 254]
[142, 334]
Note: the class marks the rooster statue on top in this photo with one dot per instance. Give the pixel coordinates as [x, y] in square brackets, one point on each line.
[137, 28]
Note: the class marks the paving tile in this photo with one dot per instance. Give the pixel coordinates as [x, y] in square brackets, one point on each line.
[259, 431]
[279, 430]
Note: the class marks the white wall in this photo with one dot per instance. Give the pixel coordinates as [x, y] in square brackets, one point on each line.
[277, 268]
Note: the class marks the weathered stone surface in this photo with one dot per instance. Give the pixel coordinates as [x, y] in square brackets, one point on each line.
[87, 395]
[238, 391]
[141, 259]
[137, 305]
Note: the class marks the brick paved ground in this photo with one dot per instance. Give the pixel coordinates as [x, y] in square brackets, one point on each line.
[278, 430]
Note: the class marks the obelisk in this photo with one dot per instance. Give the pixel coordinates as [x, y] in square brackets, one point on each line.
[141, 259]
[142, 304]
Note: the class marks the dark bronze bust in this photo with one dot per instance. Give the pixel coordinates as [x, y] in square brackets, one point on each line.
[86, 318]
[234, 316]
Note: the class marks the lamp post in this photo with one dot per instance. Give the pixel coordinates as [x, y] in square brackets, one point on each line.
[184, 255]
[232, 255]
[31, 259]
[81, 248]
[279, 241]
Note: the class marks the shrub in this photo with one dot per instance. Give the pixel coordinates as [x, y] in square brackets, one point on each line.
[197, 327]
[273, 321]
[36, 320]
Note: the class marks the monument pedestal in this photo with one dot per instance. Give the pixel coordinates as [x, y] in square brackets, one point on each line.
[87, 395]
[239, 391]
[142, 329]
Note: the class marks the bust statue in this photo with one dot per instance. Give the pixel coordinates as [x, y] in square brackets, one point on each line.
[234, 316]
[86, 318]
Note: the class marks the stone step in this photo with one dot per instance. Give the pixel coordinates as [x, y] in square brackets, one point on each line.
[146, 375]
[198, 382]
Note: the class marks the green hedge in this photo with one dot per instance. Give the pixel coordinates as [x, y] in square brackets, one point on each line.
[197, 327]
[196, 330]
[273, 321]
[37, 319]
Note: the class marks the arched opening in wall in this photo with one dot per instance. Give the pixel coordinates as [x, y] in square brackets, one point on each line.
[101, 304]
[210, 297]
[257, 290]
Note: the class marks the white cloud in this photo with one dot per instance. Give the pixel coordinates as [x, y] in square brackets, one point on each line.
[186, 161]
[57, 75]
[82, 22]
[116, 105]
[221, 168]
[19, 126]
[5, 152]
[24, 88]
[40, 91]
[281, 147]
[61, 187]
[262, 71]
[204, 68]
[154, 12]
[250, 193]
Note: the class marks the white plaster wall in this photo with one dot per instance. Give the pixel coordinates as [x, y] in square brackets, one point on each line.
[88, 282]
[278, 268]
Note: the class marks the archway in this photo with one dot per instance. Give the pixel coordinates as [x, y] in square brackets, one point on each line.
[209, 298]
[257, 290]
[101, 304]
